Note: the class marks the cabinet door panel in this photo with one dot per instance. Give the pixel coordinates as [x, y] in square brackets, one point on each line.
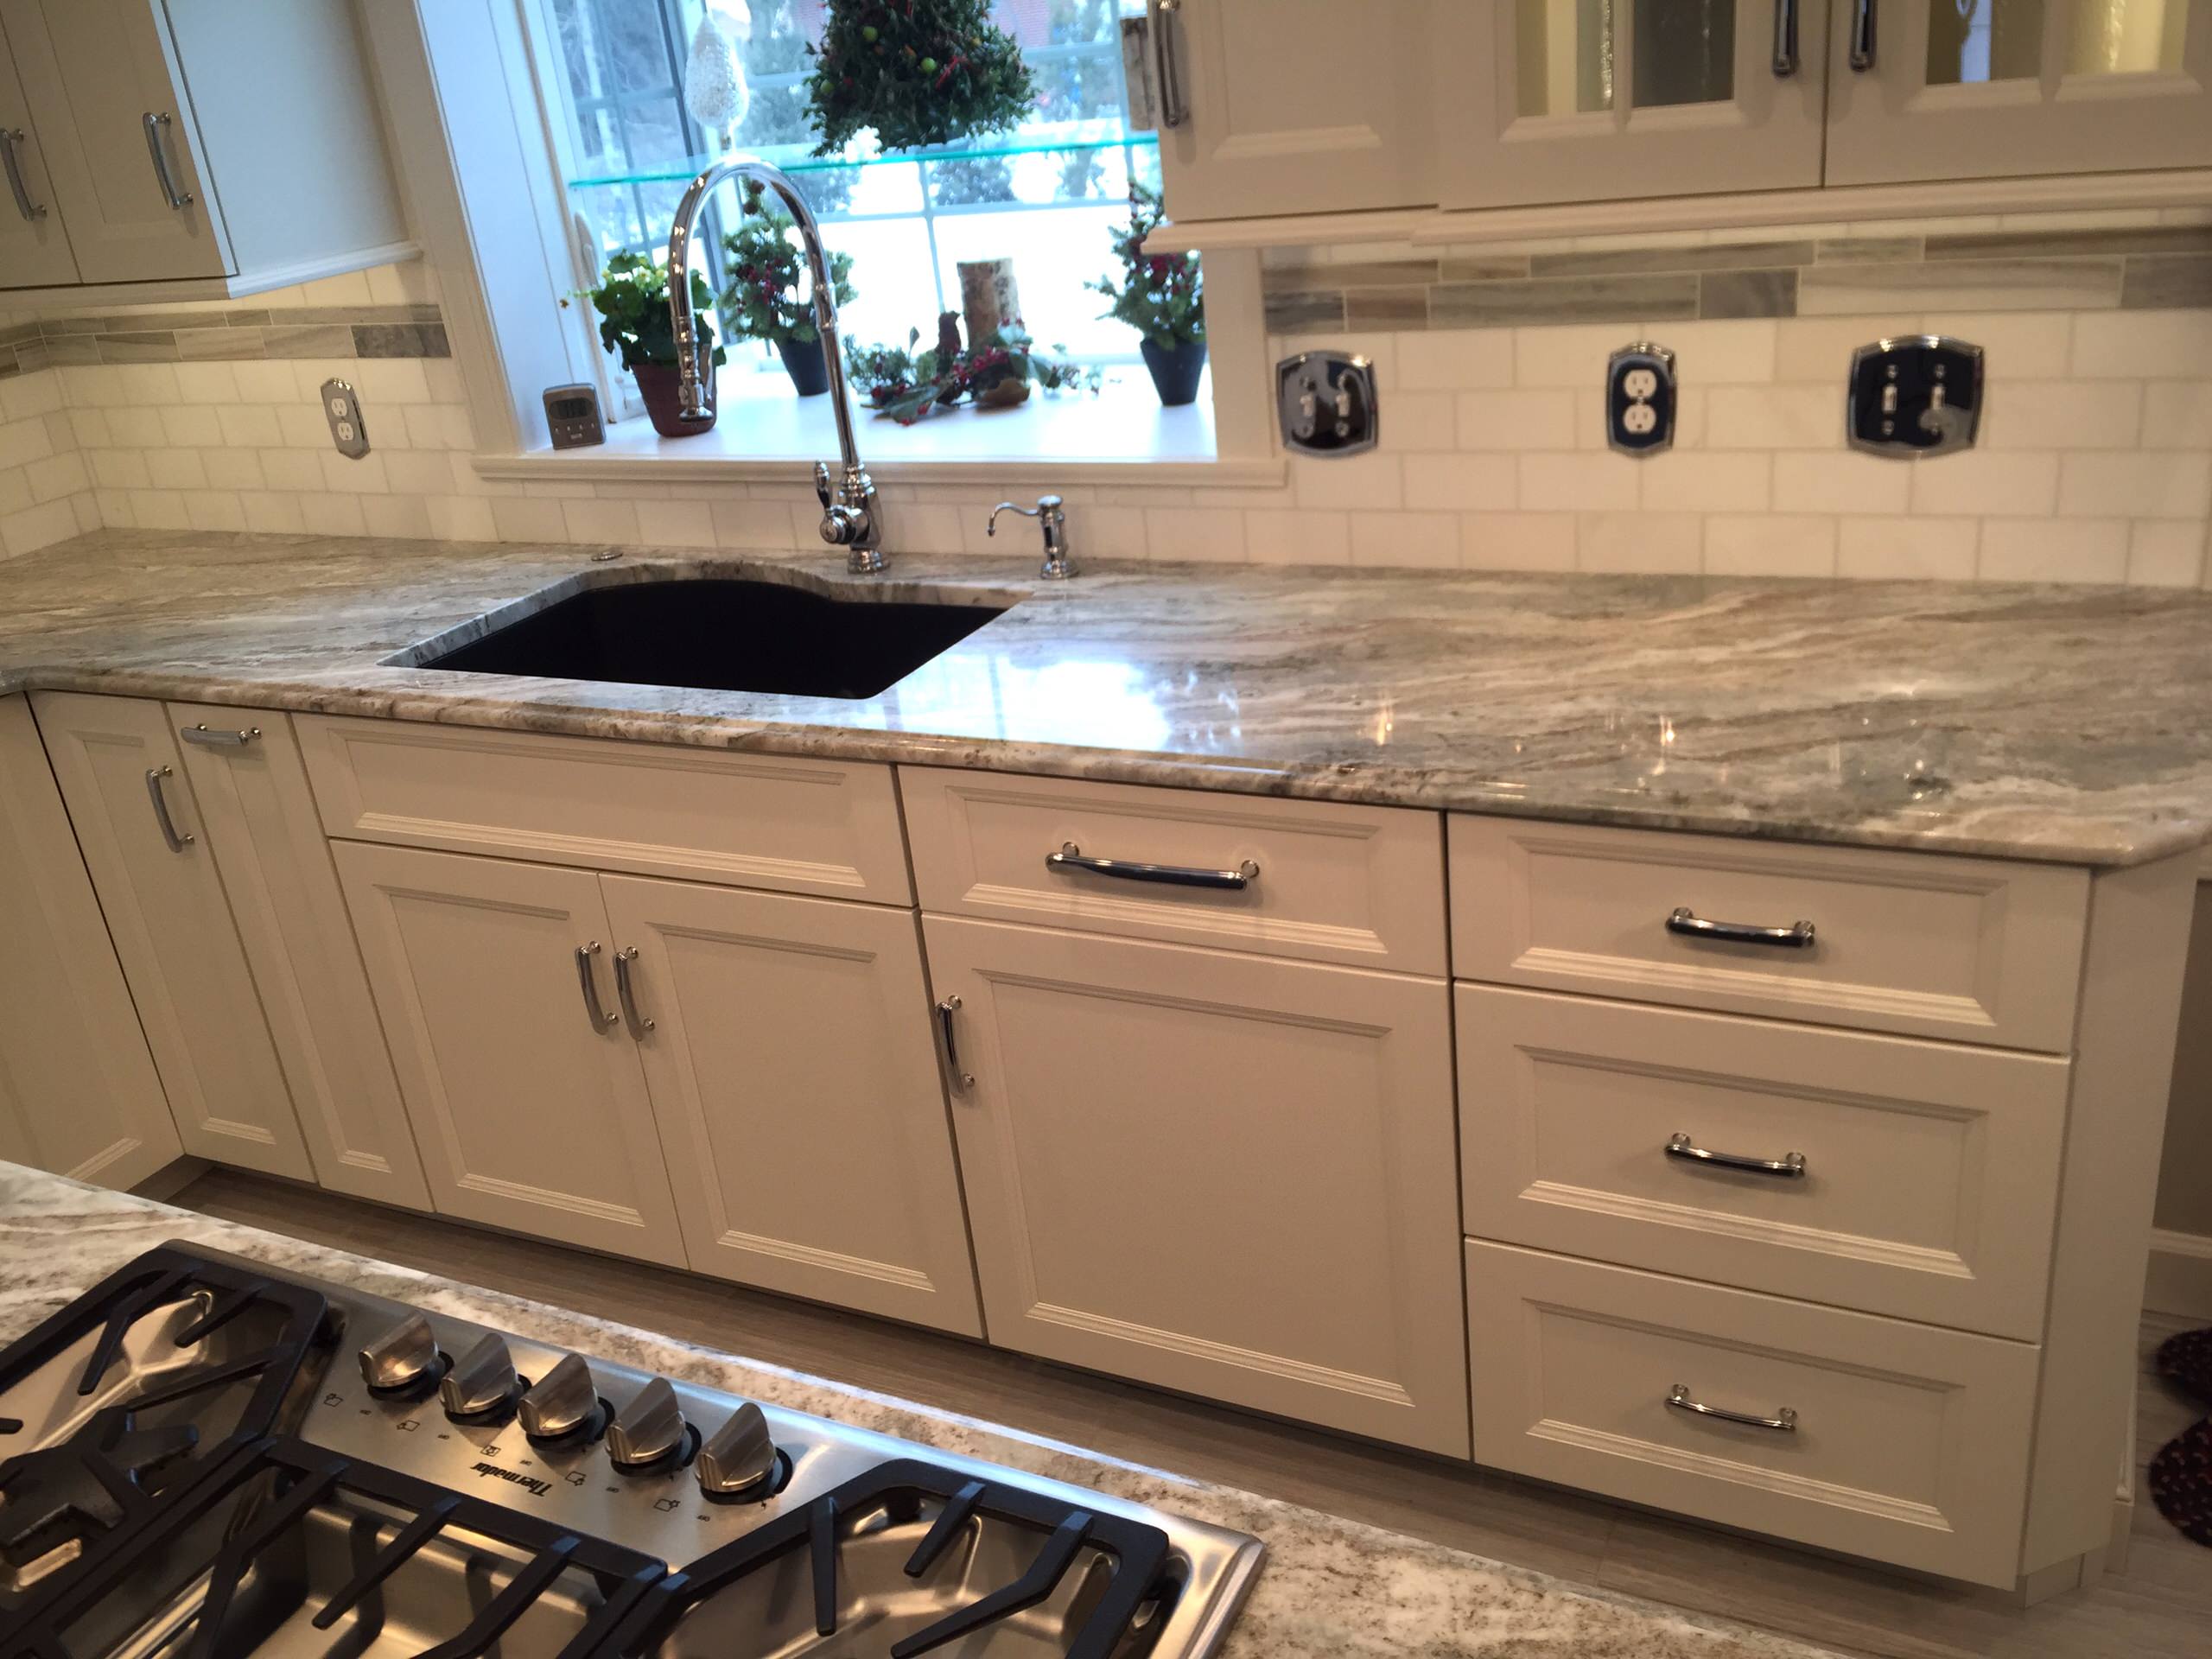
[1215, 1172]
[800, 1108]
[2007, 88]
[33, 248]
[528, 1113]
[1588, 100]
[173, 929]
[78, 1091]
[1299, 106]
[267, 844]
[93, 70]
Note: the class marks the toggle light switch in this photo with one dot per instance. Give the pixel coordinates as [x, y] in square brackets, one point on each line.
[1920, 395]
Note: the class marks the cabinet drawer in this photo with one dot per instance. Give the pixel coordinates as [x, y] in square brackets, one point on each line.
[1970, 949]
[1362, 884]
[1910, 1444]
[746, 821]
[1929, 1174]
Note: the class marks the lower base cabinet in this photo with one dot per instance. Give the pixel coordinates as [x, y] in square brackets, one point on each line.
[1220, 1173]
[78, 1094]
[738, 1081]
[495, 984]
[1896, 1442]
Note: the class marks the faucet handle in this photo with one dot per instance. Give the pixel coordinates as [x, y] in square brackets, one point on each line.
[1050, 516]
[822, 483]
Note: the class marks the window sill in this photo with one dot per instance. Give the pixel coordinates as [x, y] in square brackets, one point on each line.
[1120, 433]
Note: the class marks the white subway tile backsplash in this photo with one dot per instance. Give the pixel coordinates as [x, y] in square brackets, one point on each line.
[1296, 536]
[1575, 483]
[1842, 481]
[1462, 482]
[1205, 533]
[1372, 481]
[1516, 420]
[2166, 554]
[2149, 485]
[1516, 541]
[1455, 360]
[1982, 481]
[1430, 539]
[2144, 346]
[1707, 481]
[1640, 544]
[2177, 415]
[2063, 415]
[1774, 417]
[1770, 545]
[1881, 548]
[2053, 550]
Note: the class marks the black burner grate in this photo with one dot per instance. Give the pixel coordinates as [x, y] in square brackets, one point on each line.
[241, 1527]
[1142, 1567]
[64, 1503]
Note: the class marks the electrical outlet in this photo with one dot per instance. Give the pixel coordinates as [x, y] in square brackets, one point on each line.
[1640, 400]
[341, 408]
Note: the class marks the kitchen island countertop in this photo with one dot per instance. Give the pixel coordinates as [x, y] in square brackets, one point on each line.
[2071, 724]
[1330, 1589]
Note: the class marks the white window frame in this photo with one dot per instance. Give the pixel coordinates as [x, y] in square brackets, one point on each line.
[481, 150]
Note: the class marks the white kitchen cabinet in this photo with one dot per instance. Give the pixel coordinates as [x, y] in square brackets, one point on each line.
[1298, 106]
[246, 777]
[34, 249]
[1567, 100]
[141, 836]
[496, 984]
[1220, 1173]
[2004, 88]
[78, 1094]
[789, 1060]
[235, 143]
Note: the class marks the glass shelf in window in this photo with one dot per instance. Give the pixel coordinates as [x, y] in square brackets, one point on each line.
[1066, 139]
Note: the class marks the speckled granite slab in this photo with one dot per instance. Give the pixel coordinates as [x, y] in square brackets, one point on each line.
[2064, 723]
[1330, 1589]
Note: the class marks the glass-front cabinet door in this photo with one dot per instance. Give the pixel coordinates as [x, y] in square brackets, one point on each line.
[1977, 89]
[1586, 100]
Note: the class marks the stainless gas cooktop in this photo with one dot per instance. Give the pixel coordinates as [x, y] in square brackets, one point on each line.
[211, 1460]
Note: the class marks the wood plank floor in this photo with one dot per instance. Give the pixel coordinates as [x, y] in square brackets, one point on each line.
[2162, 1608]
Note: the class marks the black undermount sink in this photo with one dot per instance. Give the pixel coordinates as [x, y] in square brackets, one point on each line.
[722, 634]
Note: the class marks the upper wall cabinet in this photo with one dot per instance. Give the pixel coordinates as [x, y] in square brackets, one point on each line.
[1979, 89]
[230, 144]
[1295, 106]
[1566, 100]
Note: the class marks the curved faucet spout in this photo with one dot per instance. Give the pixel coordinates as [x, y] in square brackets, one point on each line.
[851, 516]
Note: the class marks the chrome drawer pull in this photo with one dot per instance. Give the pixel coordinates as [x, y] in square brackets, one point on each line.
[1796, 936]
[177, 843]
[600, 1019]
[1782, 1422]
[627, 994]
[1785, 39]
[214, 740]
[961, 1080]
[1862, 36]
[1071, 857]
[1791, 1165]
[156, 126]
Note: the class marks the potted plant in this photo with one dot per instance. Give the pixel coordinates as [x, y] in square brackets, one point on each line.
[1161, 295]
[997, 374]
[761, 300]
[631, 300]
[917, 72]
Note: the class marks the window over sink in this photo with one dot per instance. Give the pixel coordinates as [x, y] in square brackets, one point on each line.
[1047, 196]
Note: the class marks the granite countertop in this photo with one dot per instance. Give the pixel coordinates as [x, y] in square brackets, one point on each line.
[1330, 1589]
[2062, 723]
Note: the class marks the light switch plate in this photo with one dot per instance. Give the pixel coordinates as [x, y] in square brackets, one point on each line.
[1916, 396]
[341, 408]
[1325, 402]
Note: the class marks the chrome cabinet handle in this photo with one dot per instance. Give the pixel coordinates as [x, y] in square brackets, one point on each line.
[1785, 39]
[1783, 1421]
[154, 776]
[945, 1010]
[1159, 16]
[1790, 1166]
[155, 125]
[1862, 36]
[1071, 857]
[10, 137]
[600, 1019]
[208, 739]
[1796, 936]
[627, 994]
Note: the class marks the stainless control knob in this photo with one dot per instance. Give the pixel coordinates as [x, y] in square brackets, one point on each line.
[562, 1403]
[740, 1458]
[482, 1381]
[649, 1428]
[402, 1356]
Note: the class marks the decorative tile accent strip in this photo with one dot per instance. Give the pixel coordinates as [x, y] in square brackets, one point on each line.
[245, 333]
[2140, 268]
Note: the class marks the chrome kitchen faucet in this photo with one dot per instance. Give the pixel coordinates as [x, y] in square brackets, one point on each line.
[851, 516]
